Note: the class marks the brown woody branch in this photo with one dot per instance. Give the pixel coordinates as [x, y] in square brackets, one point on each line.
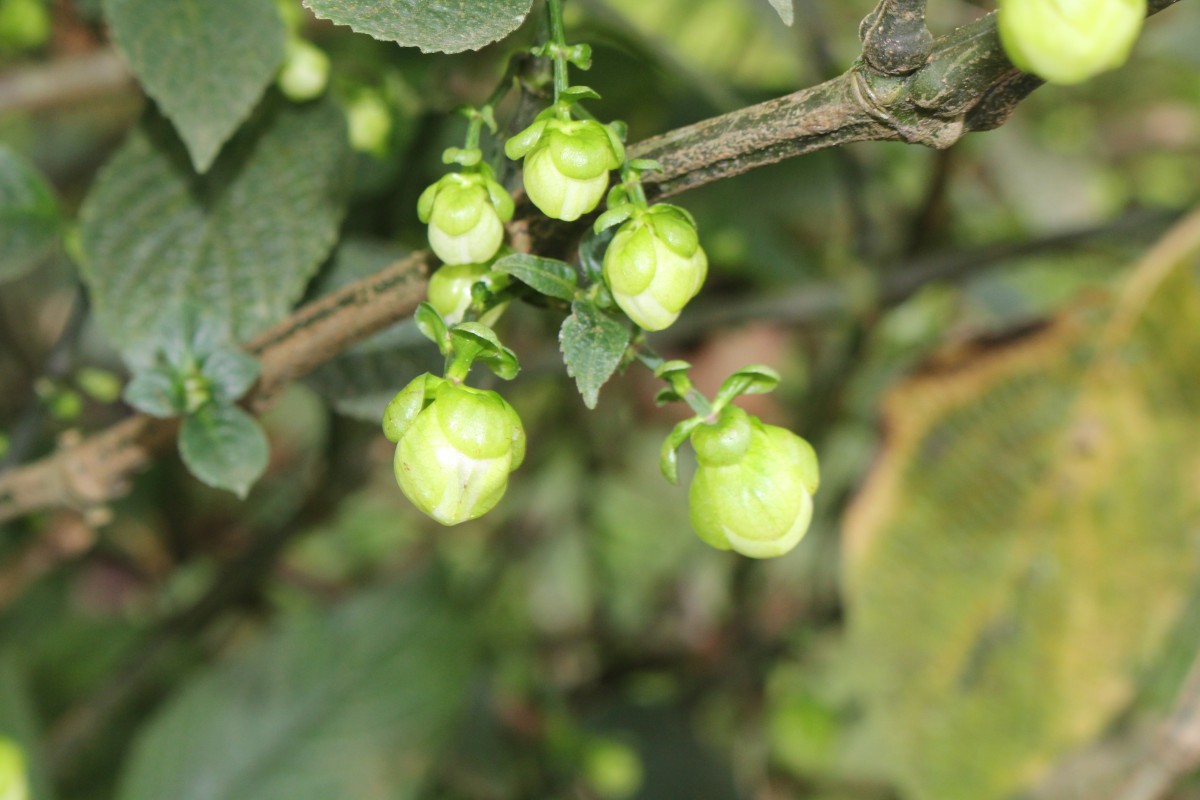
[902, 90]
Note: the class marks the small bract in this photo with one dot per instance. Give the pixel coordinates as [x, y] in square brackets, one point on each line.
[753, 489]
[455, 447]
[1068, 41]
[466, 213]
[655, 265]
[566, 164]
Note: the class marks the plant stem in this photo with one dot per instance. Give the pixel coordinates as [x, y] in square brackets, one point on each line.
[631, 179]
[558, 41]
[473, 129]
[695, 400]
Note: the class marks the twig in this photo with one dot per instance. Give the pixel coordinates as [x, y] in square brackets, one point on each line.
[97, 470]
[966, 85]
[61, 83]
[814, 304]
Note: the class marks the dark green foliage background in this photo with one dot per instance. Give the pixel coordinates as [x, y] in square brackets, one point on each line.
[321, 639]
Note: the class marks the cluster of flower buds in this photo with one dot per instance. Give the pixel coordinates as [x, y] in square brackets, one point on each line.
[456, 445]
[1069, 42]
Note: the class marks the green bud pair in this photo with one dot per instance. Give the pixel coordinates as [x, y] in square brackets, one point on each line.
[1068, 41]
[466, 213]
[753, 489]
[455, 447]
[566, 163]
[655, 265]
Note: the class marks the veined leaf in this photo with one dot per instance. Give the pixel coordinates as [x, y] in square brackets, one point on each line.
[241, 241]
[592, 346]
[224, 447]
[786, 10]
[546, 275]
[206, 62]
[29, 216]
[1019, 556]
[433, 27]
[351, 704]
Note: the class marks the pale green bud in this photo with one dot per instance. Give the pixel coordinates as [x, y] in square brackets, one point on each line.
[305, 71]
[466, 213]
[1068, 41]
[753, 489]
[654, 266]
[566, 164]
[369, 120]
[24, 24]
[455, 447]
[450, 289]
[14, 785]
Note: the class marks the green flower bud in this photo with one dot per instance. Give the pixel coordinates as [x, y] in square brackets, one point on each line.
[455, 447]
[466, 213]
[13, 783]
[305, 71]
[450, 289]
[369, 120]
[754, 485]
[566, 164]
[655, 265]
[1068, 41]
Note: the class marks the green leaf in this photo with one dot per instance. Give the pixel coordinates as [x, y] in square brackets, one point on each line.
[592, 345]
[546, 275]
[785, 9]
[433, 27]
[349, 704]
[224, 447]
[29, 216]
[240, 242]
[205, 62]
[1023, 553]
[231, 371]
[156, 391]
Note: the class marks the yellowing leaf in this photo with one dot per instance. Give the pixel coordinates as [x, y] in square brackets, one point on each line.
[1028, 538]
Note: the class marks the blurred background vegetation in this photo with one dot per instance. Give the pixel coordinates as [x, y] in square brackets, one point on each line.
[998, 597]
